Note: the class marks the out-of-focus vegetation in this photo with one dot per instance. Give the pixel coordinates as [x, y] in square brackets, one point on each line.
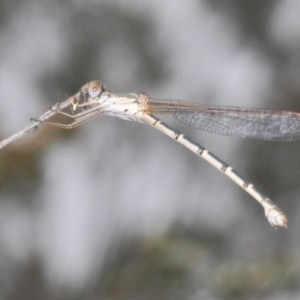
[113, 210]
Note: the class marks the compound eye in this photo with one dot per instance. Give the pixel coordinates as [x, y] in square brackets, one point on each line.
[95, 88]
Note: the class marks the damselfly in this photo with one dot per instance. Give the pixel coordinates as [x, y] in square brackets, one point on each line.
[94, 100]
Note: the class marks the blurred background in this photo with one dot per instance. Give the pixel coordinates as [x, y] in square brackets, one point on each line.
[116, 210]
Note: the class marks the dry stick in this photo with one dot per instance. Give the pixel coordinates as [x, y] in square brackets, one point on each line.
[34, 124]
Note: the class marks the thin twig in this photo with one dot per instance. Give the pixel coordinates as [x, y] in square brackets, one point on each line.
[35, 123]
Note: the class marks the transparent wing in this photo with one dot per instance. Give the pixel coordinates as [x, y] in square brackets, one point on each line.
[273, 125]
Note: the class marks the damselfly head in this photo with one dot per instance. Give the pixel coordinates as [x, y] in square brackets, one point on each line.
[88, 93]
[94, 88]
[91, 90]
